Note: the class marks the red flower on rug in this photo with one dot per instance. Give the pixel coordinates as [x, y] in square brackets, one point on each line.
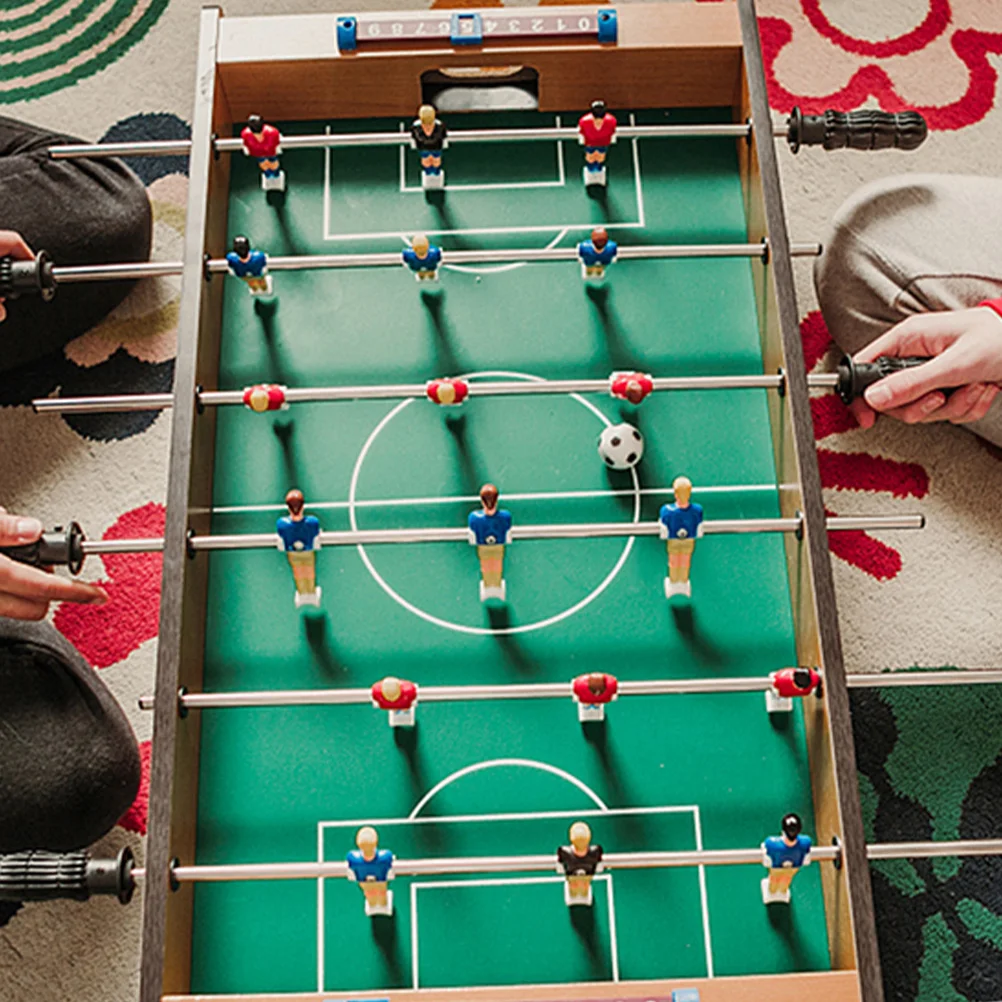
[134, 819]
[855, 471]
[106, 634]
[934, 58]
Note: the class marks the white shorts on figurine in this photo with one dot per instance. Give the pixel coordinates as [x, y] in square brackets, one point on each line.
[571, 902]
[386, 909]
[591, 711]
[426, 276]
[402, 718]
[778, 704]
[492, 592]
[308, 598]
[273, 183]
[780, 898]
[594, 176]
[433, 182]
[673, 588]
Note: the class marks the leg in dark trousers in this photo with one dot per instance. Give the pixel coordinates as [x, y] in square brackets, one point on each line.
[69, 763]
[81, 212]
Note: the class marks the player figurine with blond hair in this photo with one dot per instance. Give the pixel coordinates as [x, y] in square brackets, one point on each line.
[428, 137]
[596, 255]
[597, 132]
[423, 258]
[579, 862]
[264, 143]
[372, 868]
[299, 537]
[398, 697]
[489, 531]
[681, 525]
[784, 855]
[250, 266]
[592, 692]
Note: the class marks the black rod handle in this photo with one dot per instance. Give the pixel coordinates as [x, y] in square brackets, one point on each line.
[38, 875]
[855, 377]
[62, 547]
[864, 129]
[18, 278]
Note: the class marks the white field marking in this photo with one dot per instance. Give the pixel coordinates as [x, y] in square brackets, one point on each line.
[474, 499]
[704, 903]
[498, 763]
[321, 939]
[484, 630]
[639, 223]
[496, 186]
[509, 882]
[467, 269]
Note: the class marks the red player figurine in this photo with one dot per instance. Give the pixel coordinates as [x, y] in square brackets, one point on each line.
[592, 692]
[790, 683]
[631, 386]
[264, 143]
[265, 397]
[399, 697]
[597, 133]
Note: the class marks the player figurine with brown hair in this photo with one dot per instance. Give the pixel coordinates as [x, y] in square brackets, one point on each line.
[423, 258]
[681, 525]
[597, 132]
[592, 692]
[299, 537]
[784, 855]
[579, 862]
[489, 531]
[264, 143]
[250, 266]
[372, 868]
[789, 684]
[596, 254]
[428, 137]
[398, 697]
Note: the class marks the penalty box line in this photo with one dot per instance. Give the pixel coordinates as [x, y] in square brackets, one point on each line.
[639, 223]
[692, 809]
[605, 878]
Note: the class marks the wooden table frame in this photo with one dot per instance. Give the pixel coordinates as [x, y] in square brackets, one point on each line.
[667, 55]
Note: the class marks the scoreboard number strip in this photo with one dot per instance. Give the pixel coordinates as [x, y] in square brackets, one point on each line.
[474, 28]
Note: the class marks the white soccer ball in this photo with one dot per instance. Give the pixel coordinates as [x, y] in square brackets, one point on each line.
[621, 446]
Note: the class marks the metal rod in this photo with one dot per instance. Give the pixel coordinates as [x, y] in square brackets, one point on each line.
[402, 391]
[455, 693]
[182, 147]
[66, 274]
[586, 530]
[547, 863]
[988, 676]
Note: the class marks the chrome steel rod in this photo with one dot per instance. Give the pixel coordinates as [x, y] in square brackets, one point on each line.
[402, 391]
[455, 693]
[880, 680]
[68, 274]
[585, 530]
[932, 850]
[181, 147]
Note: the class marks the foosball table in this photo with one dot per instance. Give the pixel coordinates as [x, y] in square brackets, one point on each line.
[474, 304]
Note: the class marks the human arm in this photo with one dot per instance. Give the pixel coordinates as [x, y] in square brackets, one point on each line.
[964, 348]
[12, 245]
[25, 592]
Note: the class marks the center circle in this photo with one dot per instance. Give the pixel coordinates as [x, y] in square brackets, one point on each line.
[462, 627]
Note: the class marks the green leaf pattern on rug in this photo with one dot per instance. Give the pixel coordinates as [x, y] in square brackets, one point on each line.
[899, 872]
[980, 922]
[49, 45]
[940, 944]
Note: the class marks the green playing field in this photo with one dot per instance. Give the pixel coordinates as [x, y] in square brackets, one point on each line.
[503, 777]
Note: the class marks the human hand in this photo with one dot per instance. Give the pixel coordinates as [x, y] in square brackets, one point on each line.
[25, 592]
[965, 352]
[12, 245]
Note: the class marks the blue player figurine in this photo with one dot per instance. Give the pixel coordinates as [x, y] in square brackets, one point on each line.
[423, 258]
[784, 855]
[489, 532]
[251, 266]
[372, 868]
[596, 254]
[299, 537]
[681, 525]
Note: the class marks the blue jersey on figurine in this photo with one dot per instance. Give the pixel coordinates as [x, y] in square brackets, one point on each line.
[490, 530]
[429, 262]
[681, 523]
[781, 854]
[252, 267]
[377, 869]
[591, 255]
[298, 534]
